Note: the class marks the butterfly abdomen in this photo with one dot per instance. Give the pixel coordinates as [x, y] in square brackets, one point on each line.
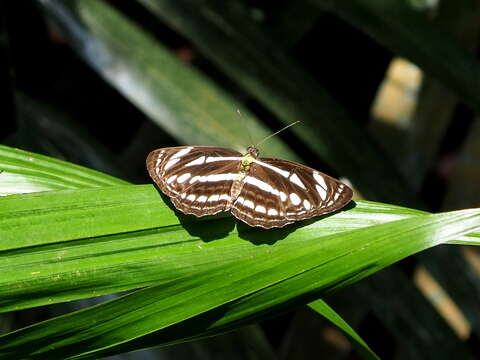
[236, 188]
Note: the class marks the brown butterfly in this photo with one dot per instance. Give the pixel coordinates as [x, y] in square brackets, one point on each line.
[265, 192]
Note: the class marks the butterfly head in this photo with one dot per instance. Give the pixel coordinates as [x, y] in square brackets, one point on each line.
[252, 151]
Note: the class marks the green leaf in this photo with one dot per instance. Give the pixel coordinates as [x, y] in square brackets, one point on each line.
[24, 172]
[112, 238]
[72, 244]
[322, 308]
[292, 271]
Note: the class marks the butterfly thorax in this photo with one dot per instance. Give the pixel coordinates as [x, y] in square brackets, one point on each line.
[248, 159]
[243, 170]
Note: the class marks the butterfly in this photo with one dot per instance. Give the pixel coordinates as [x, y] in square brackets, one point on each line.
[265, 192]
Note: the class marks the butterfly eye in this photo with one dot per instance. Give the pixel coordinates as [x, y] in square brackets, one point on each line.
[253, 151]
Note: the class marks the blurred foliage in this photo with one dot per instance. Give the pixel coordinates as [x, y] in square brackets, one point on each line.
[101, 83]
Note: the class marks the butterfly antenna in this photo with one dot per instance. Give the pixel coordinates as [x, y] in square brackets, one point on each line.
[279, 131]
[240, 114]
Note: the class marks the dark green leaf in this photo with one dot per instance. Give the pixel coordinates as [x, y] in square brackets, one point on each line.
[268, 279]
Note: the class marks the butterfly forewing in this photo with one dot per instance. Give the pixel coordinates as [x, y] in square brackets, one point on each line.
[196, 178]
[204, 180]
[278, 192]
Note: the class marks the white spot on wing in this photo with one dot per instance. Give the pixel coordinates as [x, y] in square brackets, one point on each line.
[320, 180]
[202, 198]
[159, 158]
[191, 197]
[261, 185]
[181, 153]
[321, 191]
[183, 196]
[294, 199]
[261, 209]
[283, 196]
[240, 199]
[194, 179]
[224, 197]
[284, 173]
[170, 163]
[213, 178]
[183, 178]
[213, 197]
[306, 204]
[219, 177]
[171, 178]
[296, 180]
[335, 197]
[220, 158]
[197, 161]
[272, 212]
[249, 204]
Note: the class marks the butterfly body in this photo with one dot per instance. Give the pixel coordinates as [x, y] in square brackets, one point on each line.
[265, 192]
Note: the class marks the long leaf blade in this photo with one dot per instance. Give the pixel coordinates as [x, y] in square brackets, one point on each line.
[250, 287]
[24, 172]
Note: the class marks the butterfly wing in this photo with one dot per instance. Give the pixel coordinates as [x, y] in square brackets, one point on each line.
[277, 192]
[196, 178]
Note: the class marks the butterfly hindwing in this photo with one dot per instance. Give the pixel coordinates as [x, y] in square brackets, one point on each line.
[278, 192]
[259, 208]
[324, 193]
[196, 178]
